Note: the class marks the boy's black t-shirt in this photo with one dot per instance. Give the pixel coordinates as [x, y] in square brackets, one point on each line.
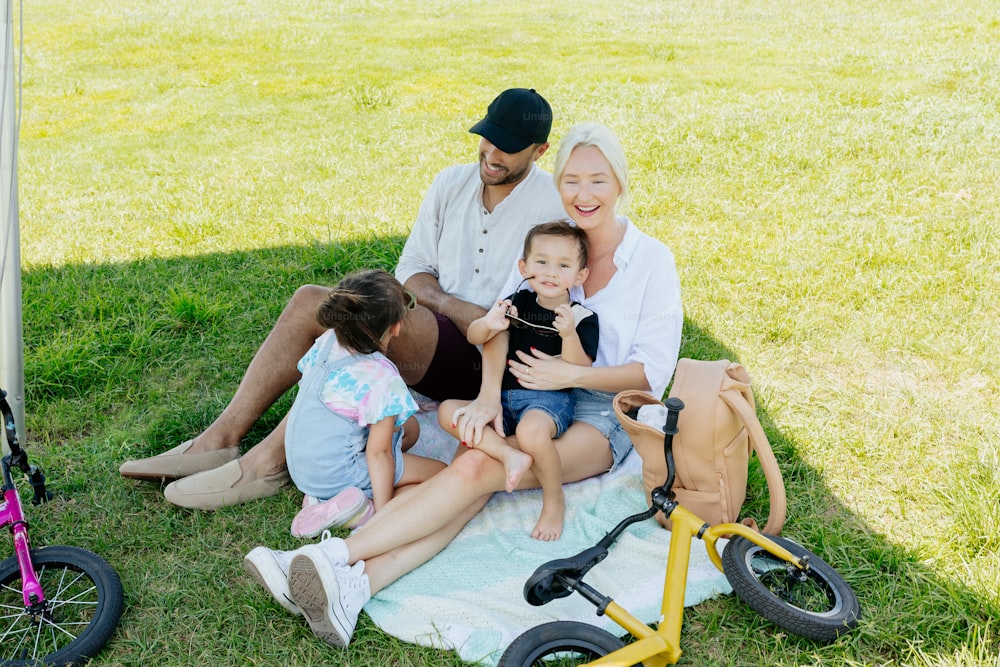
[524, 337]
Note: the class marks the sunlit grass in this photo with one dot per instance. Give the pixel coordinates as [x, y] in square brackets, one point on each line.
[827, 177]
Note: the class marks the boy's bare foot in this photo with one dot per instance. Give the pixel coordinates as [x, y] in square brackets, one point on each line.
[550, 521]
[515, 464]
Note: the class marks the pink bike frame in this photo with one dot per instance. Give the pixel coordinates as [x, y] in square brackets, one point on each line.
[12, 515]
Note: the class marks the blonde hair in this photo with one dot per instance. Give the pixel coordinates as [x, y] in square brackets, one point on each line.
[604, 140]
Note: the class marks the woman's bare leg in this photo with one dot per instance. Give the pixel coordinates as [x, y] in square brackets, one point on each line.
[429, 507]
[515, 462]
[407, 532]
[432, 507]
[384, 569]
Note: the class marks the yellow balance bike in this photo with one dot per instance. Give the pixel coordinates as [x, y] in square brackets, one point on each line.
[779, 579]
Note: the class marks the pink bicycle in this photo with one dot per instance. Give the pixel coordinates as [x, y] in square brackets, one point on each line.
[59, 605]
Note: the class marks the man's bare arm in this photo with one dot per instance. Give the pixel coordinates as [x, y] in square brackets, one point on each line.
[429, 294]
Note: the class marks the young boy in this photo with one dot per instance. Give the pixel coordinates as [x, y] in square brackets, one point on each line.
[542, 318]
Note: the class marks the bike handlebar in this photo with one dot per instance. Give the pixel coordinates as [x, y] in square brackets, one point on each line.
[8, 421]
[559, 578]
[674, 406]
[18, 458]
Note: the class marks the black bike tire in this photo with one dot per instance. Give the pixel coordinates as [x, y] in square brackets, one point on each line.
[824, 626]
[533, 645]
[107, 611]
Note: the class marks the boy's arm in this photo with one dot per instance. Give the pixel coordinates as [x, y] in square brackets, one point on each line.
[480, 332]
[572, 347]
[572, 351]
[381, 464]
[490, 324]
[494, 364]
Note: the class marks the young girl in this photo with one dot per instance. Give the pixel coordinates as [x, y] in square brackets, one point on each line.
[353, 415]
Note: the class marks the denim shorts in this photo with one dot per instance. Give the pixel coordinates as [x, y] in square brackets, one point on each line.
[556, 404]
[594, 408]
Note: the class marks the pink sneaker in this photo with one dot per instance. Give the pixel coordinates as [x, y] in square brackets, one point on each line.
[349, 508]
[362, 518]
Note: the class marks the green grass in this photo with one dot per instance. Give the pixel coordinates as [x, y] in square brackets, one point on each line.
[827, 177]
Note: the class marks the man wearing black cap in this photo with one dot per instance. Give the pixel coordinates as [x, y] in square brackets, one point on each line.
[466, 239]
[460, 252]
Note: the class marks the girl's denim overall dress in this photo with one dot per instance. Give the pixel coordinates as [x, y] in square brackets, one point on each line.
[325, 451]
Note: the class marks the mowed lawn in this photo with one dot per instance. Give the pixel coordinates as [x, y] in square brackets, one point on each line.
[827, 176]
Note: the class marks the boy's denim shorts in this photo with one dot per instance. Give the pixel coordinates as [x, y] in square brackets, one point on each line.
[595, 408]
[556, 404]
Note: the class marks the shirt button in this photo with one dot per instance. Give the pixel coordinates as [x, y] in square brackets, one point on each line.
[480, 250]
[484, 231]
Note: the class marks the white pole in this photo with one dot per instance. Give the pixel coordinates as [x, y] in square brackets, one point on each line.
[11, 331]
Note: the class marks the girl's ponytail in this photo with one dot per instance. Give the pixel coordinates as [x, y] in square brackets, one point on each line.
[362, 307]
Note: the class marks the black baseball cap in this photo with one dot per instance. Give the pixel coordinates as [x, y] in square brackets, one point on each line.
[517, 118]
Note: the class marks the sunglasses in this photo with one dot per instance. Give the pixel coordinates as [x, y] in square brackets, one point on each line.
[518, 323]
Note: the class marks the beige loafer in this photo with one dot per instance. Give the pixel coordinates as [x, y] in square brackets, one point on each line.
[217, 488]
[174, 463]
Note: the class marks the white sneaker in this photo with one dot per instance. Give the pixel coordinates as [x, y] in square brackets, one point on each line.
[270, 566]
[330, 595]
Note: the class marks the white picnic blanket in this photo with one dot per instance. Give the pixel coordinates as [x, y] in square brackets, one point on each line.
[469, 597]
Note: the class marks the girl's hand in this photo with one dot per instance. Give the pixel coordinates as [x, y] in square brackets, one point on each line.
[564, 322]
[544, 372]
[471, 419]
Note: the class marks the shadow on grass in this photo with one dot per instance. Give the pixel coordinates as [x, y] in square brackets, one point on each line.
[167, 339]
[125, 360]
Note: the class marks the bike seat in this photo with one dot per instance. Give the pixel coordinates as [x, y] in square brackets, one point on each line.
[557, 578]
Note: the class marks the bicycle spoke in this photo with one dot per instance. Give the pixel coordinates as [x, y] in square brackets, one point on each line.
[74, 599]
[796, 588]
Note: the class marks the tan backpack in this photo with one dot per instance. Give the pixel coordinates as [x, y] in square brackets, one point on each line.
[717, 431]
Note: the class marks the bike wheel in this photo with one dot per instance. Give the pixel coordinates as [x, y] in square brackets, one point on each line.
[817, 604]
[83, 604]
[559, 644]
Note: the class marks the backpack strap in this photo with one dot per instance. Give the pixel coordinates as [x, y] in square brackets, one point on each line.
[735, 399]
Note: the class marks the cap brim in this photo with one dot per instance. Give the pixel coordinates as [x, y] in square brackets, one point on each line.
[499, 137]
